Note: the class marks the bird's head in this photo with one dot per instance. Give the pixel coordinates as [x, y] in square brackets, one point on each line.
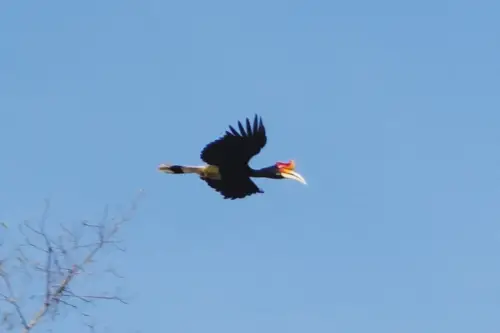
[287, 170]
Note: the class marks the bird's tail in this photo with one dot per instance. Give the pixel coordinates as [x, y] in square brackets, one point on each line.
[179, 169]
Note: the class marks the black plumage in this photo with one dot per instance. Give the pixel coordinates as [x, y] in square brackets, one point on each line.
[231, 154]
[228, 171]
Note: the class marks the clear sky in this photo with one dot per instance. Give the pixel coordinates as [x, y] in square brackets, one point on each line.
[389, 108]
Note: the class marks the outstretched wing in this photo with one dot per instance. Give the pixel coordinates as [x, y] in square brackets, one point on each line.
[236, 148]
[234, 188]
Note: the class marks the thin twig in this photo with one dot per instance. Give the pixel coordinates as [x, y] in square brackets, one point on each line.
[12, 299]
[54, 297]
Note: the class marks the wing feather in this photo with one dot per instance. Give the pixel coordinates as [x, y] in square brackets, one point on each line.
[236, 148]
[234, 189]
[233, 131]
[242, 130]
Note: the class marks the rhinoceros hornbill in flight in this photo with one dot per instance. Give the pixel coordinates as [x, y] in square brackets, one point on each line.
[228, 171]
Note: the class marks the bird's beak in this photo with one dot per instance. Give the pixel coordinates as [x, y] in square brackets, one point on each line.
[287, 171]
[293, 175]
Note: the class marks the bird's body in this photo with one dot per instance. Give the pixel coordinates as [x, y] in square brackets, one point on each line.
[227, 170]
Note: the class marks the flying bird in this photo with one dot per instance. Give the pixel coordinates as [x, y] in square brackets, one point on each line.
[227, 170]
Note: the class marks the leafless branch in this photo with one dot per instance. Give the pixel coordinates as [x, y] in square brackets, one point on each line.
[10, 298]
[61, 261]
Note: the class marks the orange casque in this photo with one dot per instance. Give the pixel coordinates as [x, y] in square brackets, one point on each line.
[289, 165]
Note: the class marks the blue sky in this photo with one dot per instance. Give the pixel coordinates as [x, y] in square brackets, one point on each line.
[389, 108]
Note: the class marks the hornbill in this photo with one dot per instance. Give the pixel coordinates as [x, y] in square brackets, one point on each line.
[227, 157]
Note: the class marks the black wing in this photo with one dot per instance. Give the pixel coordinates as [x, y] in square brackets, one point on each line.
[235, 188]
[236, 148]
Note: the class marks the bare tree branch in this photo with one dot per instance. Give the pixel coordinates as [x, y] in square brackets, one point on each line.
[61, 260]
[11, 298]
